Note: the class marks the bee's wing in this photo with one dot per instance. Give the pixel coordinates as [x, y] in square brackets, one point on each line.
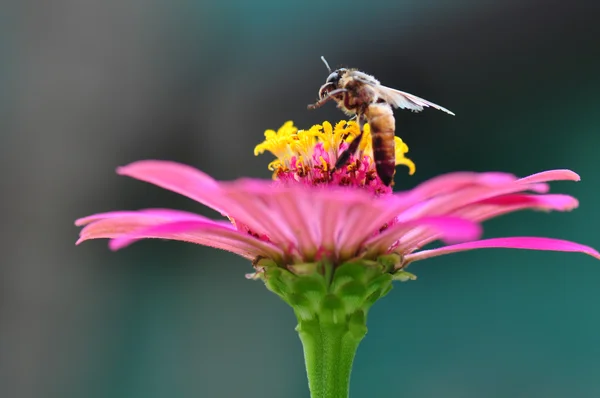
[400, 99]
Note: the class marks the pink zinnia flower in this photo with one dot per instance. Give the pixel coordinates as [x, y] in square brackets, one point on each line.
[330, 244]
[304, 215]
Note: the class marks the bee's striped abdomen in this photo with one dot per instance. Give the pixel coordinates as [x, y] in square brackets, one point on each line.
[383, 127]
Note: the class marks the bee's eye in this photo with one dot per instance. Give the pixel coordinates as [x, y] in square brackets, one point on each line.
[333, 78]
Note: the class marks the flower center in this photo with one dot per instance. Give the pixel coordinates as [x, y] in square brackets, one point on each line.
[309, 156]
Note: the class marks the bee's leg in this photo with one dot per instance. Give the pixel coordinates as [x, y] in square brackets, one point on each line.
[343, 159]
[345, 156]
[326, 99]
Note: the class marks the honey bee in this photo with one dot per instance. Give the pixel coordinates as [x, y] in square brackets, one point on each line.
[363, 97]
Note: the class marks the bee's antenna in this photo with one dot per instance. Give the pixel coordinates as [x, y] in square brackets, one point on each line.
[326, 64]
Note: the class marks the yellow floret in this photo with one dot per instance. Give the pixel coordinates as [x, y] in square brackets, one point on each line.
[289, 142]
[277, 142]
[401, 149]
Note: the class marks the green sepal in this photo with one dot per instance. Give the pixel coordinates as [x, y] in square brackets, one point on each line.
[320, 290]
[357, 325]
[278, 280]
[264, 262]
[304, 268]
[404, 276]
[389, 261]
[332, 310]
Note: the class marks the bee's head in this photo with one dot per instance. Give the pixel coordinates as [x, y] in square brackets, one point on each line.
[332, 82]
[335, 76]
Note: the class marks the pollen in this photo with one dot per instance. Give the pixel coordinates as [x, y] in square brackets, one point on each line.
[309, 156]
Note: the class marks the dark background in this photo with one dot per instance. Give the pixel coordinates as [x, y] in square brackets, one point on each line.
[87, 86]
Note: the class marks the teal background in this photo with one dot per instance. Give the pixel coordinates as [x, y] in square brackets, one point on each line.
[88, 86]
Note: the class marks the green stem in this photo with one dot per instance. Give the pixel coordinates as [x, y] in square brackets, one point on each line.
[329, 351]
[331, 303]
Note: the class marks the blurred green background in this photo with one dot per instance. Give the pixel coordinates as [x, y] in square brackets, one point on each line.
[88, 86]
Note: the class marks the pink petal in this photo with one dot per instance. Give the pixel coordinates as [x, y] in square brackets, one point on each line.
[554, 201]
[446, 184]
[530, 243]
[204, 233]
[550, 175]
[387, 209]
[207, 233]
[166, 214]
[332, 222]
[114, 224]
[497, 206]
[448, 204]
[296, 212]
[359, 220]
[450, 182]
[179, 178]
[254, 203]
[307, 218]
[450, 229]
[220, 234]
[441, 195]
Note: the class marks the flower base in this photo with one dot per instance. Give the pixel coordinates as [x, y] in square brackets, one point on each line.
[331, 304]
